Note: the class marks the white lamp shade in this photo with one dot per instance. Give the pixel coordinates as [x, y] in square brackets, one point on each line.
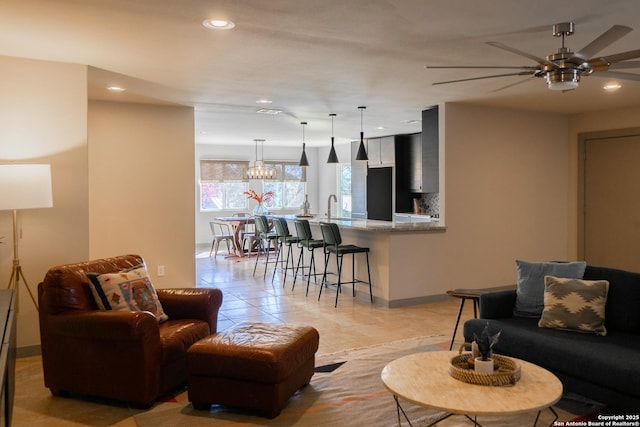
[25, 187]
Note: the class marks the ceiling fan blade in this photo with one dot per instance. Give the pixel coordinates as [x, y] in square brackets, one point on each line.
[521, 73]
[603, 63]
[521, 53]
[619, 75]
[605, 39]
[505, 67]
[632, 54]
[624, 65]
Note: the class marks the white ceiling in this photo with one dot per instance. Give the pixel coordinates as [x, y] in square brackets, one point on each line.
[312, 58]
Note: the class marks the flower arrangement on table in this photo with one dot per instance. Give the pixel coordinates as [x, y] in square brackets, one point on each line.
[260, 198]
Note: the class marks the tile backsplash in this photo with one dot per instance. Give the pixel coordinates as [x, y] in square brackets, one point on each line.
[430, 204]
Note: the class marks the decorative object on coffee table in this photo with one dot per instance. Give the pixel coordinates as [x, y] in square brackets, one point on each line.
[485, 342]
[505, 371]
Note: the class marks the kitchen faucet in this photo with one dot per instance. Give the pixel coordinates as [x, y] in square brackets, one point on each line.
[335, 199]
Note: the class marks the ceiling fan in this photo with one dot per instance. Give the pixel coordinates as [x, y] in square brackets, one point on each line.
[562, 70]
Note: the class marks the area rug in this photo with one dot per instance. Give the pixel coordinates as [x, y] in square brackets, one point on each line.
[346, 390]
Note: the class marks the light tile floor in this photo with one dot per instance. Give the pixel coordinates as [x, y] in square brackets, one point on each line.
[354, 323]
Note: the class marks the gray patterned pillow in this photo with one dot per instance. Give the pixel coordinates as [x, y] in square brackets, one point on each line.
[574, 304]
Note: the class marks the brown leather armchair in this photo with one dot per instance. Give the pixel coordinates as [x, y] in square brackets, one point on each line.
[121, 355]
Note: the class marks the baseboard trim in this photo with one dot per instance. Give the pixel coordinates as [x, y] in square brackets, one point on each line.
[416, 300]
[28, 351]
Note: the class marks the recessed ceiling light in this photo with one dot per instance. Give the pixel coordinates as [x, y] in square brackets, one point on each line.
[116, 89]
[410, 122]
[218, 24]
[611, 86]
[380, 128]
[263, 101]
[268, 111]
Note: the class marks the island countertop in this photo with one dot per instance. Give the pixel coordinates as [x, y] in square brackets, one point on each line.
[376, 225]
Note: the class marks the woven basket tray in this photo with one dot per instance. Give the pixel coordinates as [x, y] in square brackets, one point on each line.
[506, 373]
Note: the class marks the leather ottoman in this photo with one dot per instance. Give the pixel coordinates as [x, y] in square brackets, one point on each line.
[255, 366]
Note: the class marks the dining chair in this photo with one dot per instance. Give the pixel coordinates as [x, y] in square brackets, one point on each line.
[221, 233]
[332, 244]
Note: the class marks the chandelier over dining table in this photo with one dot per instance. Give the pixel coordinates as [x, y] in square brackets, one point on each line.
[258, 170]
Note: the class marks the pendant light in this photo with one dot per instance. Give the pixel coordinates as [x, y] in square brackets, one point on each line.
[303, 158]
[362, 152]
[259, 170]
[333, 157]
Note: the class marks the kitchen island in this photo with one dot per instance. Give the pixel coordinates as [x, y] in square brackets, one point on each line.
[396, 258]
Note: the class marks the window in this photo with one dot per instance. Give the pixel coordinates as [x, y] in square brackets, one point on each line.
[222, 184]
[289, 186]
[344, 190]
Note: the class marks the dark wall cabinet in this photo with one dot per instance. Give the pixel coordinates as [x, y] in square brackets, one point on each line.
[430, 172]
[417, 157]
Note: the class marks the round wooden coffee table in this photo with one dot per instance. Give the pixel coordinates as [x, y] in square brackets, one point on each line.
[423, 379]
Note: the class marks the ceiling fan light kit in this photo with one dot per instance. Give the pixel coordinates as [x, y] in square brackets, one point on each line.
[562, 79]
[562, 70]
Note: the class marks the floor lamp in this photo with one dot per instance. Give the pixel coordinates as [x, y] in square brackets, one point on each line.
[25, 186]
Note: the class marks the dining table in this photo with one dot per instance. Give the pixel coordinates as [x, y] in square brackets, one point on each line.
[237, 224]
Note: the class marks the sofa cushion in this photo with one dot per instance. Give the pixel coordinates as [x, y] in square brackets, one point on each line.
[127, 290]
[610, 362]
[623, 300]
[530, 285]
[574, 304]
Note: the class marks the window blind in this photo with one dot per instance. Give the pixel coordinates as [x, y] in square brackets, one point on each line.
[222, 170]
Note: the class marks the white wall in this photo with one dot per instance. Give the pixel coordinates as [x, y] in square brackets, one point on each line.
[43, 110]
[505, 179]
[141, 172]
[43, 119]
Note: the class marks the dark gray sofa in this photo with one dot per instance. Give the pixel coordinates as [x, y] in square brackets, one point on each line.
[603, 368]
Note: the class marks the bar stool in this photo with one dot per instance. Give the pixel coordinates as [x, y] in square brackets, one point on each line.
[265, 235]
[284, 239]
[333, 245]
[303, 230]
